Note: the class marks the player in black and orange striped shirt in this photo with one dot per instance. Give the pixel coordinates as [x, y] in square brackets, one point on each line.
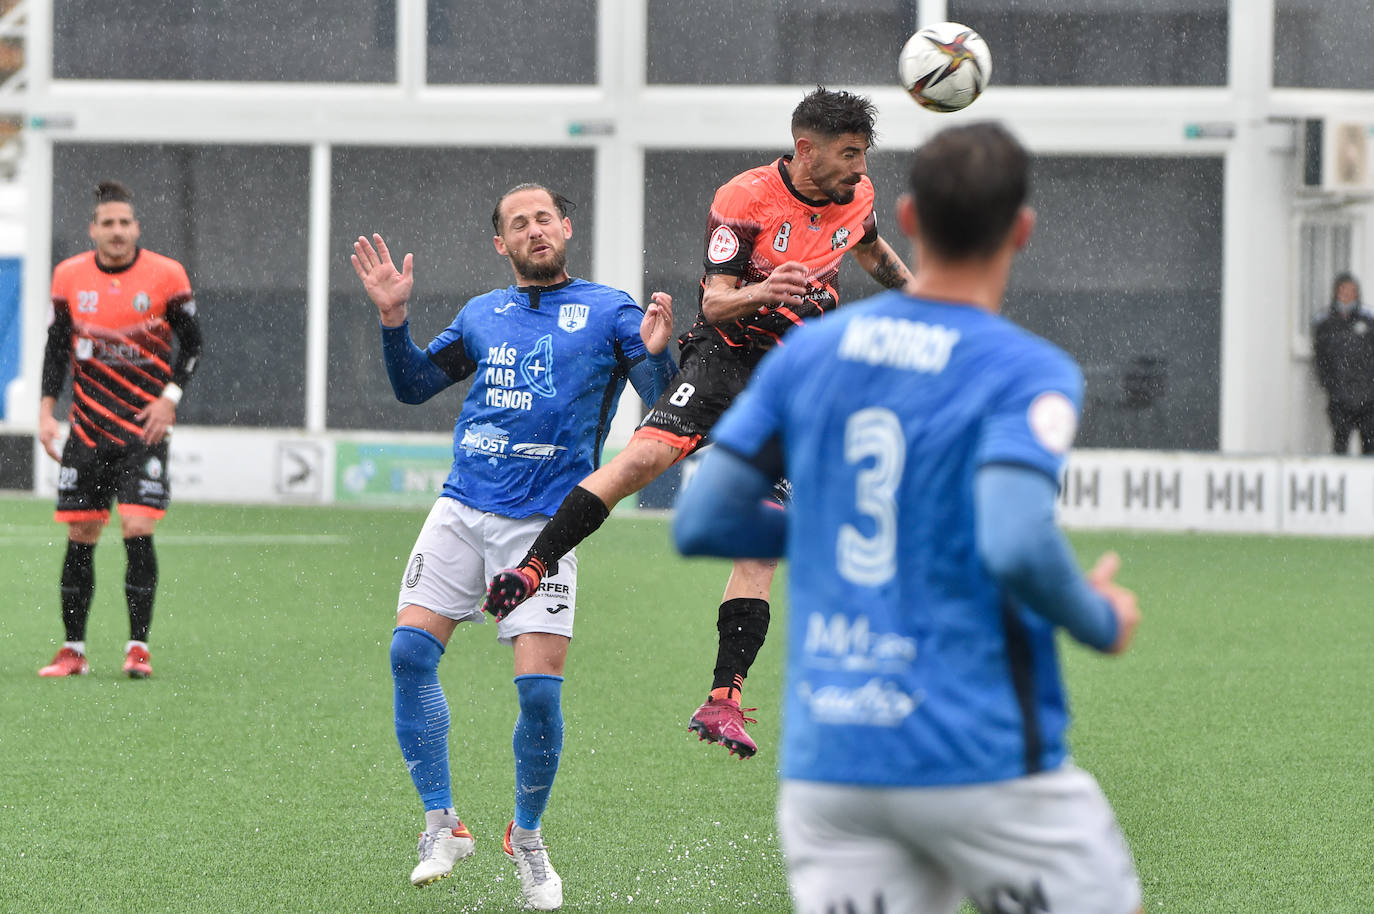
[115, 311]
[774, 243]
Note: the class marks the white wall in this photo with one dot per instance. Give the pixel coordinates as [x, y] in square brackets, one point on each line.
[1268, 401]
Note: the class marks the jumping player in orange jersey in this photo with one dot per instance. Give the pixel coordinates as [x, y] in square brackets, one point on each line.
[114, 312]
[774, 242]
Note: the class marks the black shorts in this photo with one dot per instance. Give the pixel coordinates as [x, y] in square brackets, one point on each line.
[707, 382]
[91, 477]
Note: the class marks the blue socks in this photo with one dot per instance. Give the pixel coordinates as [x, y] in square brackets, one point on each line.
[538, 743]
[422, 713]
[422, 725]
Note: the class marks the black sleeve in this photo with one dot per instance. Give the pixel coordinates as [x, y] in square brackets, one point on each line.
[181, 316]
[58, 352]
[870, 229]
[454, 361]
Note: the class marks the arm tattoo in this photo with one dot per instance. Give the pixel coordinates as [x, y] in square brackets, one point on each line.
[888, 271]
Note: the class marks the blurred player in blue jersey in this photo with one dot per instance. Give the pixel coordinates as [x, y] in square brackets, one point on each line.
[549, 357]
[924, 759]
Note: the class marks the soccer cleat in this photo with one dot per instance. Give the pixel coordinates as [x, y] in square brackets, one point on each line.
[67, 663]
[721, 720]
[137, 662]
[439, 851]
[541, 886]
[509, 589]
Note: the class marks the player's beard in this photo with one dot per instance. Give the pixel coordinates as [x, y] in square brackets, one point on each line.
[841, 193]
[540, 271]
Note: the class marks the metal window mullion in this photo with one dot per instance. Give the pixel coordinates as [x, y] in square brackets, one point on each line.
[317, 290]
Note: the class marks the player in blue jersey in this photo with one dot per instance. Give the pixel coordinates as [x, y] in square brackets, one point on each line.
[923, 757]
[775, 239]
[549, 357]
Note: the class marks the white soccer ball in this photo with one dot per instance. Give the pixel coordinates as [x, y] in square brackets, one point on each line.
[945, 66]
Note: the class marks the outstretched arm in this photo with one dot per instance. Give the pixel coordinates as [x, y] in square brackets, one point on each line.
[725, 511]
[652, 374]
[1022, 546]
[882, 263]
[414, 377]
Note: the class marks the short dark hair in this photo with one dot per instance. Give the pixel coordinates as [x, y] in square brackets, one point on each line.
[111, 192]
[560, 202]
[1343, 277]
[832, 114]
[969, 182]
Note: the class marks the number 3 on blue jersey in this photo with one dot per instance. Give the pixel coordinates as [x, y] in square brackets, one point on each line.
[874, 433]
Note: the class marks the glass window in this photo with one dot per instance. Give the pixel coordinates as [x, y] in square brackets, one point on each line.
[785, 42]
[1124, 272]
[346, 41]
[1323, 45]
[235, 217]
[436, 204]
[516, 42]
[1101, 42]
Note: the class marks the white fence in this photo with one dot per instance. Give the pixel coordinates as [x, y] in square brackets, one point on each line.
[1147, 490]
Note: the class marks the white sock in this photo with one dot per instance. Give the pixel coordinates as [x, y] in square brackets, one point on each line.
[78, 646]
[130, 646]
[524, 836]
[436, 819]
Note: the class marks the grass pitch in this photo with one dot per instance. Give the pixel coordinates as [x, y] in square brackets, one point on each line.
[258, 769]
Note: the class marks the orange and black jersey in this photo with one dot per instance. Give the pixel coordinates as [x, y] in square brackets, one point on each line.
[758, 222]
[115, 328]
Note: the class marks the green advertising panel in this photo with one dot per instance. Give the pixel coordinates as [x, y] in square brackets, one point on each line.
[381, 473]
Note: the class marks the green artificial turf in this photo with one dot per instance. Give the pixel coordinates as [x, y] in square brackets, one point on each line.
[258, 770]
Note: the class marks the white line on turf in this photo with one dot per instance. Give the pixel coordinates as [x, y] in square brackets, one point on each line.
[204, 539]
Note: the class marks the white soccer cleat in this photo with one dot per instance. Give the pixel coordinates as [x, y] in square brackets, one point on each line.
[439, 851]
[540, 885]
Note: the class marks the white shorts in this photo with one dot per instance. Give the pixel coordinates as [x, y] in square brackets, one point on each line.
[1043, 843]
[458, 551]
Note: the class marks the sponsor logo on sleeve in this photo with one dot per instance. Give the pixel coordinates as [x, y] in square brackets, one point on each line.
[724, 245]
[1053, 421]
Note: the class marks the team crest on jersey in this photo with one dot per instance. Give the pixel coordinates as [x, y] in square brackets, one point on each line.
[153, 468]
[838, 239]
[573, 318]
[142, 302]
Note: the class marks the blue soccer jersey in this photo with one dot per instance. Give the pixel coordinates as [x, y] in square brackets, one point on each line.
[548, 368]
[908, 665]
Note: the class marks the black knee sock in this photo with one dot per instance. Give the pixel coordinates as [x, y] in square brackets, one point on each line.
[743, 624]
[578, 518]
[140, 585]
[78, 586]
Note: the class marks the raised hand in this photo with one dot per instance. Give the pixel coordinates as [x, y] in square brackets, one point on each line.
[388, 288]
[656, 330]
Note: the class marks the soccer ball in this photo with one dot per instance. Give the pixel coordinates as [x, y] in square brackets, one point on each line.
[945, 66]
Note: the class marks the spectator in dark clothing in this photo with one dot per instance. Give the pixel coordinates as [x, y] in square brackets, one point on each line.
[1343, 350]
